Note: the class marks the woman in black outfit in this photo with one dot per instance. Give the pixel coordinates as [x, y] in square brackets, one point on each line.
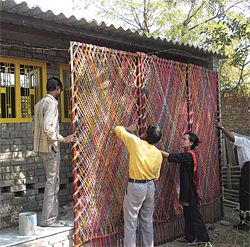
[195, 229]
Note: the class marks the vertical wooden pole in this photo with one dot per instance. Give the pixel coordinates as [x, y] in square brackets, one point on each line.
[220, 143]
[188, 98]
[141, 95]
[75, 179]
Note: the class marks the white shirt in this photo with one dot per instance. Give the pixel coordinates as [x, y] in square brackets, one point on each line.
[243, 149]
[45, 125]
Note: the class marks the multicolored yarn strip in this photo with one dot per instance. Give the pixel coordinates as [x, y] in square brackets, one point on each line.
[203, 111]
[109, 88]
[104, 93]
[165, 94]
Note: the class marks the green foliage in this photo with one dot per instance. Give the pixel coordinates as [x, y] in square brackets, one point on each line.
[221, 25]
[231, 35]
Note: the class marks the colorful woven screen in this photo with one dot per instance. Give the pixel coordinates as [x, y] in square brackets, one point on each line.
[110, 88]
[203, 89]
[166, 105]
[104, 93]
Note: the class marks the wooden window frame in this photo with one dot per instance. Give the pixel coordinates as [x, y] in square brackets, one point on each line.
[64, 119]
[17, 62]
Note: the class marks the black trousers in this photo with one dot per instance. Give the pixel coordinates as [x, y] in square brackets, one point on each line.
[194, 225]
[244, 192]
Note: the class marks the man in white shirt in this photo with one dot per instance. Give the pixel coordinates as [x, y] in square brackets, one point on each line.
[242, 144]
[45, 128]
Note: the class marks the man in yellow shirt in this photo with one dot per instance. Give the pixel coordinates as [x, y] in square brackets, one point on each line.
[144, 167]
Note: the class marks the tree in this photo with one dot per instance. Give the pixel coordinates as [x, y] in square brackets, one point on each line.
[220, 25]
[231, 35]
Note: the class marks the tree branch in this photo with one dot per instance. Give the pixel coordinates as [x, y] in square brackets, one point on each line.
[219, 14]
[145, 17]
[136, 18]
[242, 71]
[189, 16]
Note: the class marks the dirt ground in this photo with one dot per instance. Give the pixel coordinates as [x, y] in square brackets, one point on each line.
[223, 235]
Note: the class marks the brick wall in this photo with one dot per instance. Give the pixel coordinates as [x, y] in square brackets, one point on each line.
[22, 178]
[236, 112]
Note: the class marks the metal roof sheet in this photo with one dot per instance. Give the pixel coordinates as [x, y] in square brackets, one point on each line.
[35, 12]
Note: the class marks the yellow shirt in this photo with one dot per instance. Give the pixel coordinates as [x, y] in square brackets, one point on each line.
[144, 159]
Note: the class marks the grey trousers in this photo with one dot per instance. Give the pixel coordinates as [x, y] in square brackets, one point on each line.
[138, 207]
[51, 162]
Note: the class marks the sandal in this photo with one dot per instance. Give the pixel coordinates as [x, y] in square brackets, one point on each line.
[54, 224]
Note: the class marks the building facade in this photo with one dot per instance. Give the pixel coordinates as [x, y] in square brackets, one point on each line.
[34, 46]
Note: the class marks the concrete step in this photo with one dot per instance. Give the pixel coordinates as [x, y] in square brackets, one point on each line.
[44, 237]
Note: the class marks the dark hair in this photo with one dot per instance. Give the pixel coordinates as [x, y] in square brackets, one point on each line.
[194, 139]
[52, 83]
[153, 134]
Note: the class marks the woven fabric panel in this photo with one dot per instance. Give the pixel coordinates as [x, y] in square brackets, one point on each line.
[203, 89]
[104, 92]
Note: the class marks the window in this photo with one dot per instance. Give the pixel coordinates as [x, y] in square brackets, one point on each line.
[22, 86]
[7, 91]
[66, 93]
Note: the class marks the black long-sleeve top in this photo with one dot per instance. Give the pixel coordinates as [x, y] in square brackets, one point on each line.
[188, 195]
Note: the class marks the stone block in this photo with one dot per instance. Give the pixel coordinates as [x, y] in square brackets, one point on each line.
[5, 149]
[6, 155]
[17, 188]
[28, 55]
[30, 160]
[19, 181]
[19, 200]
[7, 176]
[38, 160]
[31, 180]
[40, 166]
[6, 196]
[3, 127]
[38, 185]
[4, 134]
[6, 183]
[5, 163]
[16, 53]
[30, 173]
[5, 169]
[30, 146]
[31, 199]
[17, 155]
[41, 179]
[31, 192]
[18, 161]
[18, 147]
[17, 168]
[28, 167]
[39, 172]
[39, 197]
[39, 56]
[29, 153]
